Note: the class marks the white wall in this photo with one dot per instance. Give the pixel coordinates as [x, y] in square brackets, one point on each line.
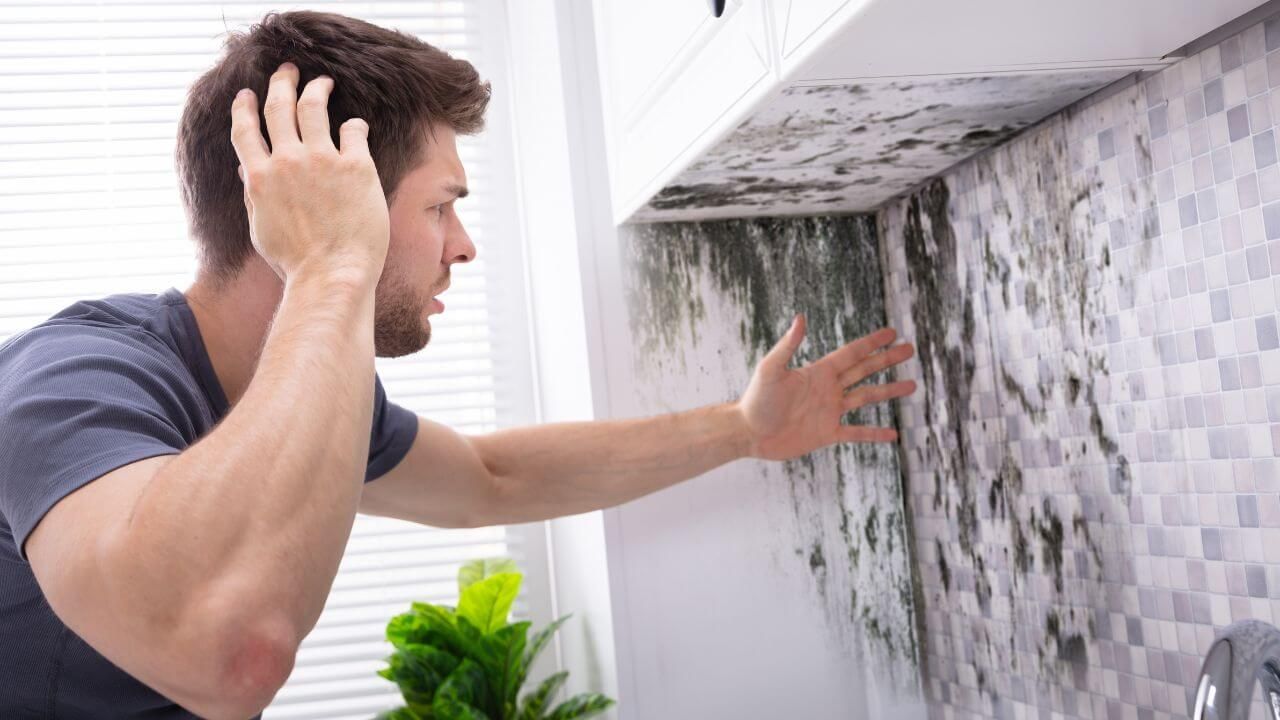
[555, 180]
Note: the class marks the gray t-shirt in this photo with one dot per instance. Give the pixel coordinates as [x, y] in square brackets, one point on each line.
[102, 384]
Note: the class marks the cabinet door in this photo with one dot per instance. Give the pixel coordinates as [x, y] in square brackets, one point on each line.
[640, 40]
[674, 77]
[800, 26]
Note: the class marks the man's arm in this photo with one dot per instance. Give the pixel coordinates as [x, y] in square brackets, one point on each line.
[199, 574]
[535, 473]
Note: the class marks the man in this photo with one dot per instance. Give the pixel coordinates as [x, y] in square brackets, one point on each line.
[179, 473]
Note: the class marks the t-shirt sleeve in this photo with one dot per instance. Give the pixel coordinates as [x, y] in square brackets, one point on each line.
[74, 407]
[394, 429]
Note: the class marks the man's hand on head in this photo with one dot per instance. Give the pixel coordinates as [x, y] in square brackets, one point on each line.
[790, 412]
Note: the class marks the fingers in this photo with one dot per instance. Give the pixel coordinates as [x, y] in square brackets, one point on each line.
[246, 135]
[851, 353]
[868, 394]
[282, 106]
[876, 362]
[781, 354]
[313, 113]
[354, 137]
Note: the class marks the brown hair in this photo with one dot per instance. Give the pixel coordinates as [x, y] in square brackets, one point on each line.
[397, 83]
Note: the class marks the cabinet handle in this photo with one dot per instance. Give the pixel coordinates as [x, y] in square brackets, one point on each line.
[717, 7]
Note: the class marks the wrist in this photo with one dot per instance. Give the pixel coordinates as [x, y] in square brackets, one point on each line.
[742, 440]
[348, 277]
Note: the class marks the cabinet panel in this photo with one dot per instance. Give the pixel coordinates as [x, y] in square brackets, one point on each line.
[642, 40]
[705, 90]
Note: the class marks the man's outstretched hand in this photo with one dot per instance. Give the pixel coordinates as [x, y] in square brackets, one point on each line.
[791, 412]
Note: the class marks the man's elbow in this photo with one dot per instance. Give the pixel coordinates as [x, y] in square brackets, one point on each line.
[246, 675]
[256, 672]
[478, 509]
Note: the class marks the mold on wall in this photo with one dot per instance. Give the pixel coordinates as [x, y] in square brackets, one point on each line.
[1087, 301]
[707, 301]
[819, 149]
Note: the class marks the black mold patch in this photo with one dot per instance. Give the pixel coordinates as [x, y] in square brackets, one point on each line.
[904, 131]
[1070, 649]
[1035, 263]
[1049, 528]
[939, 303]
[846, 500]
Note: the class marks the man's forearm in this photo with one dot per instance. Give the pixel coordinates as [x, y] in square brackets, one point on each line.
[566, 468]
[257, 513]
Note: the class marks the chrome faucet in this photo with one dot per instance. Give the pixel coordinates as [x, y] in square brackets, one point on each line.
[1243, 651]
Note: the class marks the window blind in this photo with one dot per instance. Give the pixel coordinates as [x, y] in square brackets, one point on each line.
[90, 95]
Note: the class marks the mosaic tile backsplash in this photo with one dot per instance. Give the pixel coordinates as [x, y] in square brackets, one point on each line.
[1092, 460]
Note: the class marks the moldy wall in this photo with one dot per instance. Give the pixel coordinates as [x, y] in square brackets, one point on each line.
[1091, 460]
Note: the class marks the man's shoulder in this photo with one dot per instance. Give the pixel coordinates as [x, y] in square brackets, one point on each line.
[123, 326]
[69, 342]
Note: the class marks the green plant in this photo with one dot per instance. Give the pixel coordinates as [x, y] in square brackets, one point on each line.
[469, 663]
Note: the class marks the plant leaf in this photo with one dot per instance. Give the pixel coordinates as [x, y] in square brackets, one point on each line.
[455, 710]
[462, 692]
[487, 603]
[540, 640]
[478, 570]
[419, 670]
[534, 705]
[581, 706]
[507, 645]
[439, 626]
[400, 713]
[413, 687]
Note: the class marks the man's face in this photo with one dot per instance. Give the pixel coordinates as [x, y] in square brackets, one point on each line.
[426, 239]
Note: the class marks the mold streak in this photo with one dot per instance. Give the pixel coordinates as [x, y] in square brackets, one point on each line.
[734, 286]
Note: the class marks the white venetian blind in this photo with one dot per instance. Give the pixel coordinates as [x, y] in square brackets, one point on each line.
[90, 95]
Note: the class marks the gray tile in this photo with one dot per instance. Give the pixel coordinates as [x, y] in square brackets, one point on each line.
[1256, 257]
[1219, 305]
[1238, 123]
[1232, 54]
[1271, 219]
[1256, 577]
[1264, 149]
[1194, 102]
[1196, 279]
[1204, 344]
[1211, 540]
[1229, 372]
[1222, 170]
[1247, 506]
[1250, 372]
[1213, 97]
[1219, 447]
[1266, 328]
[1159, 118]
[1247, 191]
[1207, 205]
[1187, 211]
[1273, 34]
[1107, 147]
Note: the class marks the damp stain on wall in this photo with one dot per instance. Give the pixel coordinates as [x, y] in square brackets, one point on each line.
[844, 506]
[1012, 445]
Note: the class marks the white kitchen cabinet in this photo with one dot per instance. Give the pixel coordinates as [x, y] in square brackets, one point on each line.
[798, 25]
[674, 79]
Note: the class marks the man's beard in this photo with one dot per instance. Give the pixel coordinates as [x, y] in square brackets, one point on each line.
[400, 326]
